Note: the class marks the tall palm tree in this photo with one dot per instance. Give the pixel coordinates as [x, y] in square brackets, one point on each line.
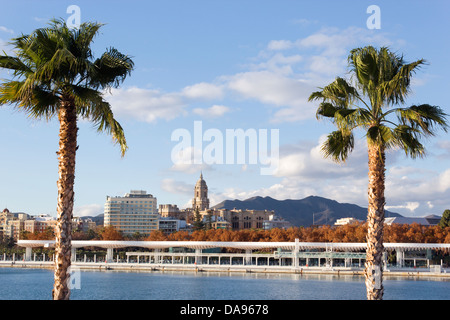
[56, 74]
[380, 80]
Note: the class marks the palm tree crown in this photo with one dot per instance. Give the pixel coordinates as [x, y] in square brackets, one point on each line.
[56, 64]
[381, 81]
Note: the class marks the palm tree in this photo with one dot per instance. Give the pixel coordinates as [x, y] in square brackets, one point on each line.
[381, 80]
[55, 74]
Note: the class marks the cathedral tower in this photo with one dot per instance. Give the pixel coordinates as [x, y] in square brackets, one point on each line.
[200, 200]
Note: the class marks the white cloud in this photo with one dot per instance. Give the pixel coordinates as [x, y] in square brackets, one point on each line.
[146, 104]
[274, 89]
[411, 206]
[88, 210]
[149, 105]
[212, 112]
[279, 45]
[185, 160]
[275, 78]
[306, 161]
[279, 64]
[203, 90]
[286, 81]
[173, 186]
[7, 30]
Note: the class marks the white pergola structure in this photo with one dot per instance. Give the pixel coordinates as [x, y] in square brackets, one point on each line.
[292, 250]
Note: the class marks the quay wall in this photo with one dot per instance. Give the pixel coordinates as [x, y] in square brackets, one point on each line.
[145, 267]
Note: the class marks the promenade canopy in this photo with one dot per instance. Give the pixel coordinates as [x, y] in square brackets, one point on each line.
[332, 246]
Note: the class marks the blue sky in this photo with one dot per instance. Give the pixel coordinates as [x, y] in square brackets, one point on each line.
[230, 65]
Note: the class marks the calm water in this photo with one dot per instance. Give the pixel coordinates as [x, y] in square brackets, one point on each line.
[36, 284]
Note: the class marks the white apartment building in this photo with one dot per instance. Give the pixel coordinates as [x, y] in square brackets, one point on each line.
[136, 211]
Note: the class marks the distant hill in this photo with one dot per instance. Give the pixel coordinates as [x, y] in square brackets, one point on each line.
[301, 212]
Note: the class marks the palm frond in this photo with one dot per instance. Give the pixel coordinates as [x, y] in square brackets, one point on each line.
[39, 103]
[395, 90]
[111, 69]
[338, 145]
[104, 121]
[425, 117]
[406, 138]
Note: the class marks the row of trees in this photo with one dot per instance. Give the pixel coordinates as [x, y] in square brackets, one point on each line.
[357, 232]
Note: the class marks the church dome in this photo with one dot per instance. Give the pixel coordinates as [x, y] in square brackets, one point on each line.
[201, 183]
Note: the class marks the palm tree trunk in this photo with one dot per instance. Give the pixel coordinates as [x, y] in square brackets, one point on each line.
[375, 221]
[66, 156]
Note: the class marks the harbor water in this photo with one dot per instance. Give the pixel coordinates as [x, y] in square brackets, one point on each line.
[36, 284]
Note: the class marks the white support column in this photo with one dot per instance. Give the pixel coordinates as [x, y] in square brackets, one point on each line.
[73, 254]
[295, 255]
[157, 256]
[400, 258]
[248, 257]
[198, 253]
[28, 253]
[109, 254]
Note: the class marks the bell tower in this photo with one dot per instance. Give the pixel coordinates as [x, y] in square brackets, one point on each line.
[200, 200]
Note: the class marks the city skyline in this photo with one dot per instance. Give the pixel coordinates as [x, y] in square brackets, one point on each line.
[229, 65]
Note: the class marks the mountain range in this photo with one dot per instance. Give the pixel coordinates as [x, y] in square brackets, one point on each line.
[304, 212]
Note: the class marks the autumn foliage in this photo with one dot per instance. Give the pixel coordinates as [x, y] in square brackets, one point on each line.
[347, 233]
[413, 233]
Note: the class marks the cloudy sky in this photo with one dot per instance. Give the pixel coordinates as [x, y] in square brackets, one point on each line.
[228, 65]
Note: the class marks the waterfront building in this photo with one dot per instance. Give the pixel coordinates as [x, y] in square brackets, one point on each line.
[276, 222]
[170, 225]
[11, 224]
[344, 221]
[239, 219]
[169, 211]
[430, 220]
[221, 224]
[83, 225]
[5, 216]
[36, 226]
[134, 212]
[246, 219]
